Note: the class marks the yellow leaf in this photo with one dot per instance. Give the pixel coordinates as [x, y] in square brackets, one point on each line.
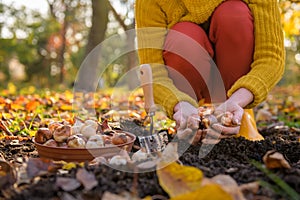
[211, 192]
[66, 107]
[6, 115]
[68, 94]
[31, 89]
[31, 133]
[12, 89]
[16, 107]
[177, 179]
[69, 166]
[147, 198]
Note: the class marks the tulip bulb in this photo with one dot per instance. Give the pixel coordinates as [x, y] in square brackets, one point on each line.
[139, 156]
[75, 142]
[62, 133]
[88, 130]
[118, 160]
[95, 141]
[93, 123]
[51, 143]
[119, 138]
[42, 135]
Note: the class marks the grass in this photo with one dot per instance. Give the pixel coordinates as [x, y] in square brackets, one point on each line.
[281, 187]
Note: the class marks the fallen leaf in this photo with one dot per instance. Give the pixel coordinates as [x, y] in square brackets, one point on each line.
[187, 182]
[211, 192]
[4, 128]
[98, 161]
[123, 196]
[66, 196]
[263, 115]
[7, 174]
[249, 189]
[32, 105]
[67, 184]
[15, 106]
[66, 107]
[69, 166]
[37, 166]
[273, 159]
[86, 178]
[229, 185]
[177, 179]
[109, 196]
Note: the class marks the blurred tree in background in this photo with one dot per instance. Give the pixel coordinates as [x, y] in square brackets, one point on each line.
[40, 42]
[291, 24]
[47, 50]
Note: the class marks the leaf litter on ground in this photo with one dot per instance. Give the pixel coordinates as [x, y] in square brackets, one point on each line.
[22, 118]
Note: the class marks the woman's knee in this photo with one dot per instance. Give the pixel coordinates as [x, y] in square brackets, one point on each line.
[232, 18]
[184, 36]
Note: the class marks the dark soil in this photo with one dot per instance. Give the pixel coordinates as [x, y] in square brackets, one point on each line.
[231, 156]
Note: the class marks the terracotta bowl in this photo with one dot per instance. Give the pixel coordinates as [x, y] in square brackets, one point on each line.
[82, 154]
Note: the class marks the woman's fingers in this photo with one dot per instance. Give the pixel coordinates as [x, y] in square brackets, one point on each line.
[198, 136]
[226, 131]
[193, 122]
[180, 120]
[184, 133]
[193, 136]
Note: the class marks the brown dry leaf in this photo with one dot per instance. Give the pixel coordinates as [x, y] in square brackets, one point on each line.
[66, 196]
[249, 189]
[37, 166]
[4, 128]
[273, 159]
[229, 185]
[263, 115]
[98, 161]
[123, 196]
[67, 184]
[7, 174]
[86, 178]
[177, 179]
[211, 192]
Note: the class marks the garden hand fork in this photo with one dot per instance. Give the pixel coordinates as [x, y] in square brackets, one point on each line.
[153, 142]
[146, 81]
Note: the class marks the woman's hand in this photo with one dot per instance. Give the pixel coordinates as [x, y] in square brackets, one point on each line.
[182, 111]
[234, 105]
[187, 119]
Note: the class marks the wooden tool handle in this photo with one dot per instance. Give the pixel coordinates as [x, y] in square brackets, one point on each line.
[146, 83]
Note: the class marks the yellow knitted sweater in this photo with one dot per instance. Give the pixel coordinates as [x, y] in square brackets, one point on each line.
[155, 17]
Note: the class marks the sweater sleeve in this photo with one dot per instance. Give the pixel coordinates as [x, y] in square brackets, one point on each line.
[151, 29]
[268, 59]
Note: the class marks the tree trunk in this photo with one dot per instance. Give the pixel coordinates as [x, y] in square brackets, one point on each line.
[132, 56]
[87, 78]
[61, 56]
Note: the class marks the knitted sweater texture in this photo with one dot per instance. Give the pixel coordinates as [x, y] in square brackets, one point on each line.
[155, 17]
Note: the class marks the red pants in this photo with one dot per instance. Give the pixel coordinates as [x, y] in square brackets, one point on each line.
[205, 64]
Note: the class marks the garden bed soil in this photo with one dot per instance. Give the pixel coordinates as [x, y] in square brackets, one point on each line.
[232, 156]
